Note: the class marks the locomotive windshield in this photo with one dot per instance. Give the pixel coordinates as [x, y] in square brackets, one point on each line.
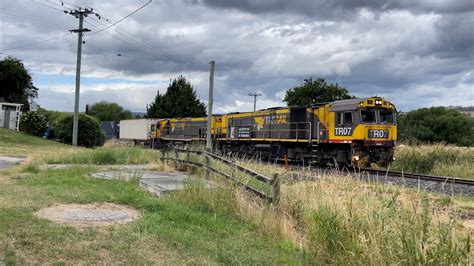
[387, 117]
[380, 116]
[367, 115]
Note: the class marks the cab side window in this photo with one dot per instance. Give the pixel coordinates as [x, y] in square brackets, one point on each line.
[344, 118]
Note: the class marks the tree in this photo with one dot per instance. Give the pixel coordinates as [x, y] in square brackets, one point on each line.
[90, 132]
[315, 91]
[180, 100]
[436, 124]
[16, 83]
[105, 111]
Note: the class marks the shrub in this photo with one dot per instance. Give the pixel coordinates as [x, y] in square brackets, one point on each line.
[34, 123]
[436, 124]
[105, 111]
[90, 133]
[54, 116]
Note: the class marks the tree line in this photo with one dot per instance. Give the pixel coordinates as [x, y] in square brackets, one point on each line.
[435, 124]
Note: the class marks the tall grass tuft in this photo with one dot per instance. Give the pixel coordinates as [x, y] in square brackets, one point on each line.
[109, 156]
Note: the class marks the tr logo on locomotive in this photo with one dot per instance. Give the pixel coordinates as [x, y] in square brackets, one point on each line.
[378, 133]
[343, 131]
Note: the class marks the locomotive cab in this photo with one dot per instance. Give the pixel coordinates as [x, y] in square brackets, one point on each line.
[364, 131]
[375, 138]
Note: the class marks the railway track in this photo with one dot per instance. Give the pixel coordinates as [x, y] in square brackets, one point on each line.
[440, 179]
[428, 183]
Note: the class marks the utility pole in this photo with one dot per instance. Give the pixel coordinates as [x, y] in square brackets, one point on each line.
[80, 14]
[255, 95]
[209, 107]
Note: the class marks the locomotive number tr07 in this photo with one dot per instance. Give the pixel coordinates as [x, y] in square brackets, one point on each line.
[357, 132]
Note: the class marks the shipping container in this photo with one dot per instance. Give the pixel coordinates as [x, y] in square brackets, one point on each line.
[136, 129]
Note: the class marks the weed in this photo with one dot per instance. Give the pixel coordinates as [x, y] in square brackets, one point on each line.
[31, 168]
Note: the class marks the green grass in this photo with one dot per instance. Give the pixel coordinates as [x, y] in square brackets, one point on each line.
[438, 159]
[183, 222]
[104, 156]
[334, 220]
[19, 143]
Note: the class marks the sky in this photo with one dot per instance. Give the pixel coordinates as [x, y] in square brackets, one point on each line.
[416, 53]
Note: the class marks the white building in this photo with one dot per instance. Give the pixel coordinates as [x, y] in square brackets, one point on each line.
[10, 114]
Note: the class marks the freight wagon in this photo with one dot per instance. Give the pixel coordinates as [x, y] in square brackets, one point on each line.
[137, 130]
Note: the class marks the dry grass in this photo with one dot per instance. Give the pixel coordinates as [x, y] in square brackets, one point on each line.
[339, 220]
[438, 159]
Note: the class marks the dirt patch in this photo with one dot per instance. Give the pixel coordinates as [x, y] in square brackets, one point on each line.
[87, 215]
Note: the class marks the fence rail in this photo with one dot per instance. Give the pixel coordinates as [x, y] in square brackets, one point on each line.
[174, 155]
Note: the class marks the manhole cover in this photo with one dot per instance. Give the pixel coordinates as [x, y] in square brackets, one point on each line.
[89, 214]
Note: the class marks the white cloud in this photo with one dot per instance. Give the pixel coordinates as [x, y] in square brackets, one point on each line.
[396, 50]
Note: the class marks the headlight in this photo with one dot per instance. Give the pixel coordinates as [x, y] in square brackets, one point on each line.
[393, 158]
[356, 158]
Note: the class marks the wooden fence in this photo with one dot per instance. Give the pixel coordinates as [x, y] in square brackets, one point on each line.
[185, 157]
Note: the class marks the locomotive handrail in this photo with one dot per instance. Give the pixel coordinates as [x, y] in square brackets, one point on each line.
[306, 130]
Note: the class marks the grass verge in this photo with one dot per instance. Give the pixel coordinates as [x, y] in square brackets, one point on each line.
[437, 159]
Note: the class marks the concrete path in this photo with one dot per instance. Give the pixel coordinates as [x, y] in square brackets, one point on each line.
[158, 183]
[10, 161]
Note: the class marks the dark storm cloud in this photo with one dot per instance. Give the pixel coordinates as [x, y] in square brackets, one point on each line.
[339, 9]
[398, 49]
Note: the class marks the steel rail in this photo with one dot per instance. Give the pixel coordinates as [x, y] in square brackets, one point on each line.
[439, 179]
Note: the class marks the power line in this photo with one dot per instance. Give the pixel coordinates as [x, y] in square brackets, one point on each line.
[122, 19]
[15, 17]
[65, 10]
[64, 2]
[35, 43]
[56, 4]
[142, 46]
[149, 53]
[136, 39]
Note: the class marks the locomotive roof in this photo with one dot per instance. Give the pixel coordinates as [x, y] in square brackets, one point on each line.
[346, 105]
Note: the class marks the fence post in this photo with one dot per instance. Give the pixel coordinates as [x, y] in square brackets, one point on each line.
[276, 189]
[165, 156]
[208, 164]
[234, 168]
[176, 165]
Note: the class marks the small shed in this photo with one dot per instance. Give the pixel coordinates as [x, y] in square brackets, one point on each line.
[10, 114]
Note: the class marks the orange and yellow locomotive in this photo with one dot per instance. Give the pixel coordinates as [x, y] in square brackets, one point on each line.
[355, 131]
